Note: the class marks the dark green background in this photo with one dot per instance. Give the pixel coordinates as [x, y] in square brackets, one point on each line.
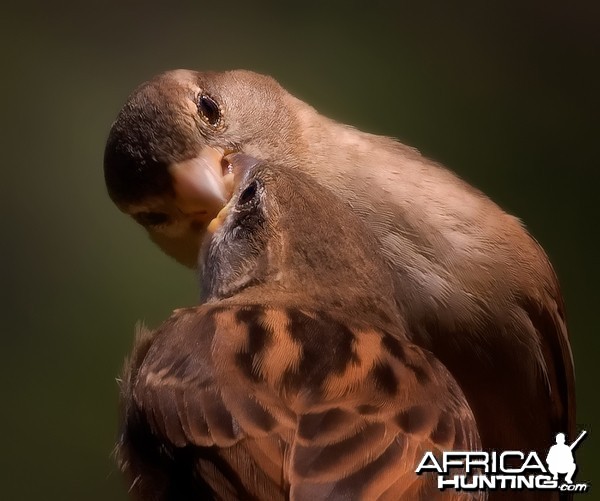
[508, 96]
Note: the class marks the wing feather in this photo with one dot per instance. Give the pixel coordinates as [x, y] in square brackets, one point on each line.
[292, 404]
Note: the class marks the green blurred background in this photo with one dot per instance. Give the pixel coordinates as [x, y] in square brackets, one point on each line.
[505, 93]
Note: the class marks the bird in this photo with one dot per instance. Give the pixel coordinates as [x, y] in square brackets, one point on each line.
[295, 378]
[475, 287]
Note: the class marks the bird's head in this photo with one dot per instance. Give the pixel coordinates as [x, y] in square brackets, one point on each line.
[283, 230]
[163, 162]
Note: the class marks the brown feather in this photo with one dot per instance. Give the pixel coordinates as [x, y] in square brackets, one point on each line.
[472, 283]
[299, 384]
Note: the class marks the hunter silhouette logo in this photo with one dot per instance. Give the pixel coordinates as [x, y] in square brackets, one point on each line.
[560, 457]
[507, 470]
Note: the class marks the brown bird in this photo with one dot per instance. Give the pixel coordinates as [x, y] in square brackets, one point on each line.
[476, 289]
[296, 379]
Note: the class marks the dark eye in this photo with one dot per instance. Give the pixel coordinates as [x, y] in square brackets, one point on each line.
[151, 218]
[209, 109]
[248, 194]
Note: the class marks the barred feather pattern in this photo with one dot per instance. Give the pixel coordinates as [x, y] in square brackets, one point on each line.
[251, 402]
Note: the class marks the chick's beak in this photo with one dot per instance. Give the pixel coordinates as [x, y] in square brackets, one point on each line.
[202, 184]
[238, 166]
[216, 223]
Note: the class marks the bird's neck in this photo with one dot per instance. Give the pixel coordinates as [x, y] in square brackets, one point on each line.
[373, 173]
[447, 238]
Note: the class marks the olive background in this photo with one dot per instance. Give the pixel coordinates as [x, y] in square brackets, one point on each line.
[504, 93]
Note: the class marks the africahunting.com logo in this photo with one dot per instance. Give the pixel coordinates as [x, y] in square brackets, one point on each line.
[508, 470]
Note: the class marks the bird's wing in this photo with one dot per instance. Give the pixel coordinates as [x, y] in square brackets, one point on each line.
[353, 409]
[366, 420]
[186, 397]
[190, 428]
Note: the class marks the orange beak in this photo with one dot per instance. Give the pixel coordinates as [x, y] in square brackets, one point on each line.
[202, 184]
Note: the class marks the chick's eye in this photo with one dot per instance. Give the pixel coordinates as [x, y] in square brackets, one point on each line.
[151, 218]
[248, 194]
[209, 109]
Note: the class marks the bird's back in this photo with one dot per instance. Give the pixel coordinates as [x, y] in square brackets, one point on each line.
[475, 287]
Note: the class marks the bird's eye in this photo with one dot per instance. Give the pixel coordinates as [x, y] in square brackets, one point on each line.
[248, 194]
[151, 218]
[209, 109]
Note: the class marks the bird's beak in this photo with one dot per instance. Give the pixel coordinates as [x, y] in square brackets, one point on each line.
[202, 184]
[238, 166]
[216, 222]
